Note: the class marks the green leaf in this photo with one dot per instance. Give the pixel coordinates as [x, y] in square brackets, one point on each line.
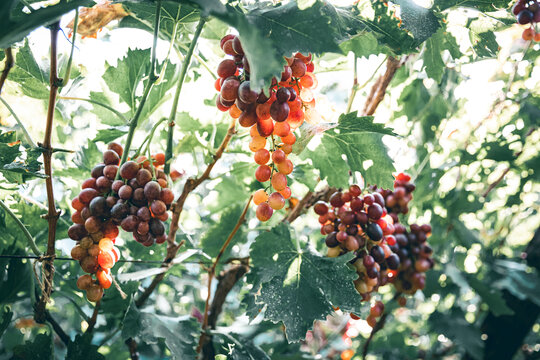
[108, 135]
[114, 303]
[216, 235]
[433, 56]
[105, 115]
[237, 347]
[180, 336]
[142, 15]
[484, 44]
[40, 349]
[518, 281]
[6, 316]
[82, 349]
[362, 45]
[33, 79]
[454, 326]
[421, 22]
[14, 26]
[128, 73]
[159, 95]
[15, 282]
[298, 285]
[492, 297]
[359, 140]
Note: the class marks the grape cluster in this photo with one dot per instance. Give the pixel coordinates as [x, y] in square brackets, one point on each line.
[137, 202]
[528, 12]
[272, 118]
[368, 225]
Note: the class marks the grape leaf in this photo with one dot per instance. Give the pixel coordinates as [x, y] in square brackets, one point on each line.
[82, 349]
[180, 335]
[362, 45]
[216, 235]
[455, 327]
[421, 22]
[159, 95]
[491, 296]
[41, 348]
[298, 285]
[15, 25]
[142, 15]
[238, 347]
[484, 44]
[359, 140]
[433, 56]
[126, 76]
[33, 79]
[108, 135]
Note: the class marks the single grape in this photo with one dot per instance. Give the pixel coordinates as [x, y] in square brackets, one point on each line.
[264, 212]
[158, 207]
[156, 227]
[263, 173]
[152, 190]
[257, 143]
[129, 170]
[320, 208]
[245, 93]
[248, 118]
[374, 232]
[282, 95]
[130, 223]
[110, 157]
[265, 127]
[279, 181]
[97, 171]
[84, 282]
[229, 89]
[290, 139]
[260, 196]
[116, 148]
[298, 68]
[262, 156]
[279, 111]
[98, 206]
[286, 167]
[276, 201]
[89, 183]
[282, 129]
[167, 196]
[226, 68]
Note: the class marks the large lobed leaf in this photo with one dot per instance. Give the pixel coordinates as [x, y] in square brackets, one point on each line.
[359, 140]
[180, 335]
[298, 285]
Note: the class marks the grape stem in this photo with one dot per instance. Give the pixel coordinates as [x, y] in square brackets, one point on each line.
[152, 79]
[93, 318]
[178, 206]
[174, 108]
[53, 214]
[8, 64]
[308, 201]
[212, 271]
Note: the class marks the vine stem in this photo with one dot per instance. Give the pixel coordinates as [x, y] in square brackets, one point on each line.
[93, 319]
[67, 74]
[152, 79]
[354, 88]
[53, 214]
[378, 326]
[212, 270]
[7, 67]
[23, 228]
[174, 108]
[178, 206]
[26, 134]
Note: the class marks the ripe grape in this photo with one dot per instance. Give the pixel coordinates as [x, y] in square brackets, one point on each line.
[279, 181]
[263, 173]
[276, 201]
[129, 170]
[260, 196]
[264, 212]
[262, 156]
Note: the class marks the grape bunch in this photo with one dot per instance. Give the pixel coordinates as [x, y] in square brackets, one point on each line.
[368, 225]
[528, 12]
[360, 224]
[137, 202]
[272, 118]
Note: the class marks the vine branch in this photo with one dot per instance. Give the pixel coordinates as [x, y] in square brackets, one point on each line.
[378, 90]
[52, 214]
[7, 67]
[212, 271]
[93, 318]
[174, 108]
